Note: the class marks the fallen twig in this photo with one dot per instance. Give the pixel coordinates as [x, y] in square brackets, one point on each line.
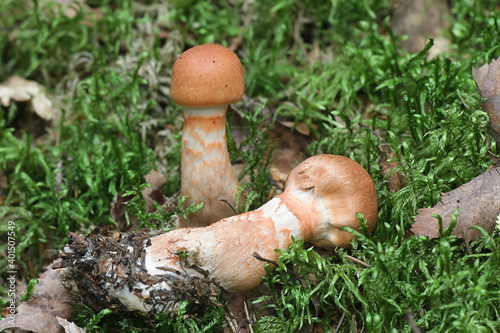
[340, 322]
[411, 321]
[356, 260]
[226, 200]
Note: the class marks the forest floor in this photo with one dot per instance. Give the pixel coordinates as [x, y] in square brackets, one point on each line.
[86, 115]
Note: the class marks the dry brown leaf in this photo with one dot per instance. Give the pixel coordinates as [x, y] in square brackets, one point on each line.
[70, 327]
[302, 128]
[478, 202]
[487, 79]
[154, 193]
[48, 302]
[19, 89]
[118, 212]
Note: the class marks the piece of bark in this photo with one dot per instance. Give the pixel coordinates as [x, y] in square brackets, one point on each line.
[478, 202]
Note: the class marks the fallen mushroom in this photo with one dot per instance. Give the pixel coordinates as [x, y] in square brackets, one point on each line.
[205, 79]
[154, 275]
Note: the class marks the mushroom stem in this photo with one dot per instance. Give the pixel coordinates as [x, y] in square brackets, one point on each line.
[207, 173]
[152, 275]
[206, 78]
[225, 249]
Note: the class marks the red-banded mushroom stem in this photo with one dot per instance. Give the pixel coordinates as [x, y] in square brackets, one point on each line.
[205, 79]
[322, 195]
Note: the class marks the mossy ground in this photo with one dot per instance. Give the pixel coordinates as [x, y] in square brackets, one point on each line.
[335, 66]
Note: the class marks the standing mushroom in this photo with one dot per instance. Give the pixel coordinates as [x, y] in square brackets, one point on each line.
[322, 195]
[205, 79]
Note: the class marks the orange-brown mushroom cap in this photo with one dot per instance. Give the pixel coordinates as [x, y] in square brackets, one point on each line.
[344, 188]
[207, 75]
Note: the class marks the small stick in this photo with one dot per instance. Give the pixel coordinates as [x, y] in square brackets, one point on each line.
[250, 322]
[231, 322]
[356, 260]
[463, 100]
[340, 322]
[245, 321]
[411, 321]
[373, 132]
[466, 242]
[240, 326]
[467, 245]
[226, 200]
[259, 257]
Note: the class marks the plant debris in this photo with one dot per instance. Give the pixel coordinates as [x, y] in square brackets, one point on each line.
[478, 202]
[49, 301]
[19, 89]
[395, 180]
[106, 260]
[70, 327]
[487, 79]
[151, 194]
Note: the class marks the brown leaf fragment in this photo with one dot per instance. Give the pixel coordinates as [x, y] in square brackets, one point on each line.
[302, 128]
[118, 212]
[478, 202]
[395, 181]
[487, 79]
[19, 89]
[70, 327]
[151, 194]
[495, 159]
[49, 301]
[154, 193]
[155, 179]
